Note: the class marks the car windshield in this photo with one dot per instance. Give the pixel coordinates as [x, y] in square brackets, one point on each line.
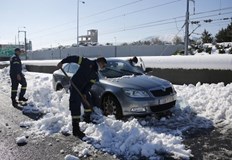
[119, 68]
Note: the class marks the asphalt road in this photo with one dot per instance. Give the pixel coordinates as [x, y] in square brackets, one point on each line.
[208, 144]
[54, 147]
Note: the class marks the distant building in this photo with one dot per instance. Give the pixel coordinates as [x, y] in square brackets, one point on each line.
[91, 37]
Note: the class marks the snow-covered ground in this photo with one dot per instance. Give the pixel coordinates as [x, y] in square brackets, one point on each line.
[199, 106]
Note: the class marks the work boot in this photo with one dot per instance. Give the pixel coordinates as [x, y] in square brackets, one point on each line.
[76, 130]
[23, 99]
[14, 103]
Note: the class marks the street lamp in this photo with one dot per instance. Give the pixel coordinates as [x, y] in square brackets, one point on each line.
[78, 1]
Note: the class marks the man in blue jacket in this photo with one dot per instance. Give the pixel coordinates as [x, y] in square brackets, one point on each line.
[84, 78]
[17, 77]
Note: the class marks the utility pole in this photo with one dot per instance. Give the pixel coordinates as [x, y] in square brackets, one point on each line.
[186, 39]
[78, 1]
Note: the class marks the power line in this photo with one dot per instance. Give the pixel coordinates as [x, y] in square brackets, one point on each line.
[208, 24]
[108, 10]
[152, 25]
[163, 20]
[133, 12]
[145, 25]
[215, 10]
[111, 18]
[98, 13]
[212, 15]
[137, 12]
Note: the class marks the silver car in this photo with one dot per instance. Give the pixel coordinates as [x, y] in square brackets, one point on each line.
[124, 89]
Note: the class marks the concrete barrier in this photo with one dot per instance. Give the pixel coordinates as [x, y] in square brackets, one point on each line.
[41, 69]
[3, 66]
[193, 76]
[4, 58]
[176, 76]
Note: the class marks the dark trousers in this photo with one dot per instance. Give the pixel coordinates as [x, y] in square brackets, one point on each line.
[14, 87]
[75, 104]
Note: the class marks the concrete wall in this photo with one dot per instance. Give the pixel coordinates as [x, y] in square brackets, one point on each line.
[4, 58]
[3, 66]
[41, 69]
[193, 76]
[176, 76]
[106, 51]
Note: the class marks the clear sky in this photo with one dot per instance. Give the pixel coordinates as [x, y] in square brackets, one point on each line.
[49, 23]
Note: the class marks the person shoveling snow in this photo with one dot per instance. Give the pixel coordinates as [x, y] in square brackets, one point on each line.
[81, 83]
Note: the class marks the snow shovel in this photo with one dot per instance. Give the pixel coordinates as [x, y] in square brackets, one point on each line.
[78, 91]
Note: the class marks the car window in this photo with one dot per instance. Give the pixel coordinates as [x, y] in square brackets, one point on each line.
[73, 67]
[66, 67]
[119, 68]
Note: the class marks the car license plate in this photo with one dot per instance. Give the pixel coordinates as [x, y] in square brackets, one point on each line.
[167, 99]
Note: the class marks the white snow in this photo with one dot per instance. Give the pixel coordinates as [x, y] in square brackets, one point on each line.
[199, 106]
[217, 62]
[21, 140]
[71, 157]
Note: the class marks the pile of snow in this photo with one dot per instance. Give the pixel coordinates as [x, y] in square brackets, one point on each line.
[215, 62]
[21, 140]
[198, 106]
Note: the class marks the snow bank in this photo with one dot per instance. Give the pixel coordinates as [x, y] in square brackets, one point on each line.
[217, 62]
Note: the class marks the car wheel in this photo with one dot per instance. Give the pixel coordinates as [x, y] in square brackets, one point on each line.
[111, 106]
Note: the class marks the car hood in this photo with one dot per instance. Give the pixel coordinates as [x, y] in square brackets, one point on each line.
[137, 82]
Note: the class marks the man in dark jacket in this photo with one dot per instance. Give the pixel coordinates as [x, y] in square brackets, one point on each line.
[83, 79]
[17, 77]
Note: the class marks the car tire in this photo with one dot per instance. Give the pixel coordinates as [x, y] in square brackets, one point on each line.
[111, 106]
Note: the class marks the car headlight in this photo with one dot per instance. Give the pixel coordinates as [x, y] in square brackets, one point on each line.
[136, 93]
